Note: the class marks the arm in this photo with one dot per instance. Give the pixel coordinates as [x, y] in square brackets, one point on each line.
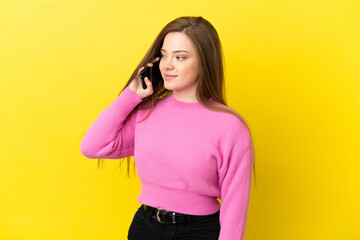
[110, 136]
[235, 183]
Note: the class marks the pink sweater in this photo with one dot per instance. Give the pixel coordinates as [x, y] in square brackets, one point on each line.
[186, 157]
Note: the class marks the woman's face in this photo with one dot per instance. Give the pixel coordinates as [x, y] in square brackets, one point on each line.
[179, 59]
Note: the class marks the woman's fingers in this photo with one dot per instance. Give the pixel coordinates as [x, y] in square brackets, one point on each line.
[151, 64]
[148, 83]
[156, 59]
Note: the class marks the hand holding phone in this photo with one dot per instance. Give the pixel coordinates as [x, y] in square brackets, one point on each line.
[151, 72]
[145, 73]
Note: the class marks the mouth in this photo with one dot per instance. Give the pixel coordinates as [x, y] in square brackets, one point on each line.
[169, 76]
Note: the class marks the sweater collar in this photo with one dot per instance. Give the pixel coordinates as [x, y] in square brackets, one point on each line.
[184, 105]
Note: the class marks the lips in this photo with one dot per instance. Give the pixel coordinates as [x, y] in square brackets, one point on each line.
[169, 75]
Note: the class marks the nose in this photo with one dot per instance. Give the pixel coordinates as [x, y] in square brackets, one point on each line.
[167, 63]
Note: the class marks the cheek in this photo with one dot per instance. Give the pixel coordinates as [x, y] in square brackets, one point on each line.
[162, 66]
[193, 72]
[191, 69]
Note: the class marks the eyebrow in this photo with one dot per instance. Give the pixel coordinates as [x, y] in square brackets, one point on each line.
[163, 50]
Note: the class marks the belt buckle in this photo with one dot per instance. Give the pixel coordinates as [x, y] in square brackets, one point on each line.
[158, 217]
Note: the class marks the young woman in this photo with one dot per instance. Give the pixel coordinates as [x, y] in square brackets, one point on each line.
[189, 147]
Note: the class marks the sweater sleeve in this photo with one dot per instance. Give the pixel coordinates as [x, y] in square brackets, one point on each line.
[111, 136]
[235, 183]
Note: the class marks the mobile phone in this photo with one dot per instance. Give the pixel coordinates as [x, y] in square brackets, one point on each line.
[152, 73]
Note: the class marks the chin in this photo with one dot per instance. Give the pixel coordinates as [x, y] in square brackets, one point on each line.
[168, 87]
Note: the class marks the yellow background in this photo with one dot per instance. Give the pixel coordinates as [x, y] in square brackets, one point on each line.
[292, 71]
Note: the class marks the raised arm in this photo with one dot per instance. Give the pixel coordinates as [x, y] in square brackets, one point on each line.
[111, 136]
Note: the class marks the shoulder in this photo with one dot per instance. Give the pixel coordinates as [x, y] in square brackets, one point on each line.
[235, 131]
[235, 119]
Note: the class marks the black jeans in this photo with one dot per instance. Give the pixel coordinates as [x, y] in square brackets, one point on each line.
[145, 227]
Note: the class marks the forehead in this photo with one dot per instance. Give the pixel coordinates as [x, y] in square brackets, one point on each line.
[177, 41]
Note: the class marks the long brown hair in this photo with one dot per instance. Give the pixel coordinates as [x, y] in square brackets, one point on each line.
[211, 62]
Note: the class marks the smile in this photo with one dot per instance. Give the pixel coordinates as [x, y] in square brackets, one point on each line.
[167, 77]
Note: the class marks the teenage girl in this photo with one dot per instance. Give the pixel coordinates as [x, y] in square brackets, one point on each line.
[189, 147]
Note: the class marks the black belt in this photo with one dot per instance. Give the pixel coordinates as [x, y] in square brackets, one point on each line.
[168, 217]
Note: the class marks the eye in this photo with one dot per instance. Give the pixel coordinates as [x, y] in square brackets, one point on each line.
[161, 56]
[181, 57]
